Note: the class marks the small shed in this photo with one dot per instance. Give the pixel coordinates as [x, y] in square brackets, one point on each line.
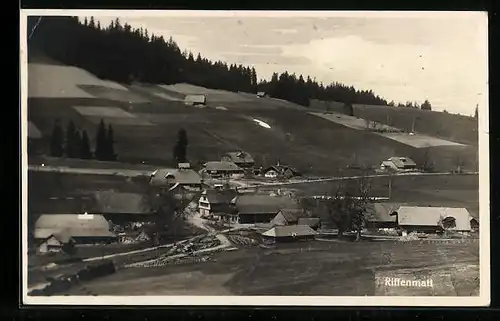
[57, 242]
[195, 100]
[261, 94]
[289, 233]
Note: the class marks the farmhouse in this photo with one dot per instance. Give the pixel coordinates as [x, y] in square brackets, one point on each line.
[398, 164]
[282, 171]
[258, 208]
[123, 207]
[223, 169]
[289, 233]
[240, 158]
[83, 229]
[216, 203]
[168, 178]
[432, 219]
[57, 242]
[381, 215]
[195, 100]
[287, 217]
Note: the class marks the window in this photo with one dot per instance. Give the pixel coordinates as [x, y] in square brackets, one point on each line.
[449, 222]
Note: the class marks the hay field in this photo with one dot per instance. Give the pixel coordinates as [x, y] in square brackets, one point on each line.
[340, 269]
[455, 128]
[415, 140]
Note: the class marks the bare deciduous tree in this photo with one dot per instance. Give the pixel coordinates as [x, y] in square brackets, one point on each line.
[346, 210]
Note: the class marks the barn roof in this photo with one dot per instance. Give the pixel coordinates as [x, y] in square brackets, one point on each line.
[113, 202]
[222, 166]
[263, 203]
[220, 197]
[181, 176]
[402, 161]
[291, 214]
[290, 230]
[72, 224]
[381, 212]
[432, 216]
[309, 221]
[240, 157]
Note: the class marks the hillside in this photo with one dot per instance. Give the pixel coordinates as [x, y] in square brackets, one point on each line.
[146, 119]
[457, 128]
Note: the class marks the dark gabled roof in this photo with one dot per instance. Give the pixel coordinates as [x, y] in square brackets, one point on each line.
[63, 236]
[291, 214]
[220, 196]
[240, 157]
[263, 203]
[381, 212]
[113, 202]
[222, 166]
[401, 162]
[290, 230]
[181, 176]
[281, 169]
[309, 221]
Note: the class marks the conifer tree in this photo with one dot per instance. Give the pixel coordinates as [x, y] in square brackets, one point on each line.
[110, 142]
[100, 142]
[57, 140]
[180, 148]
[71, 147]
[85, 152]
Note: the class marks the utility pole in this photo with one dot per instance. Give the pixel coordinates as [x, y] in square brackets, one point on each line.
[413, 125]
[390, 186]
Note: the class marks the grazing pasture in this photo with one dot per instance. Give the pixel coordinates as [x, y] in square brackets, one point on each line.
[285, 269]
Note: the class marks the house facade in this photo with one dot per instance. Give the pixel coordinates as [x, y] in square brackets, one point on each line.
[215, 204]
[56, 243]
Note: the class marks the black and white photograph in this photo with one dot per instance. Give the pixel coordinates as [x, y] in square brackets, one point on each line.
[255, 158]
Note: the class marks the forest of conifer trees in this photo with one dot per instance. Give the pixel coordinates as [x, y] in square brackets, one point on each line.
[120, 53]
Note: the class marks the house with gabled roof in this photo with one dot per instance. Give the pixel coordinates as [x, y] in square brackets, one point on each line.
[82, 228]
[223, 169]
[169, 177]
[56, 242]
[287, 216]
[434, 219]
[217, 203]
[287, 233]
[259, 208]
[399, 164]
[280, 171]
[240, 158]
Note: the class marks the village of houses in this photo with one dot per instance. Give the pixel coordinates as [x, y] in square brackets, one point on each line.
[223, 196]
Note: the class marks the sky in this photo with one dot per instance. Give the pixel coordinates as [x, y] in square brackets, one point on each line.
[401, 57]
